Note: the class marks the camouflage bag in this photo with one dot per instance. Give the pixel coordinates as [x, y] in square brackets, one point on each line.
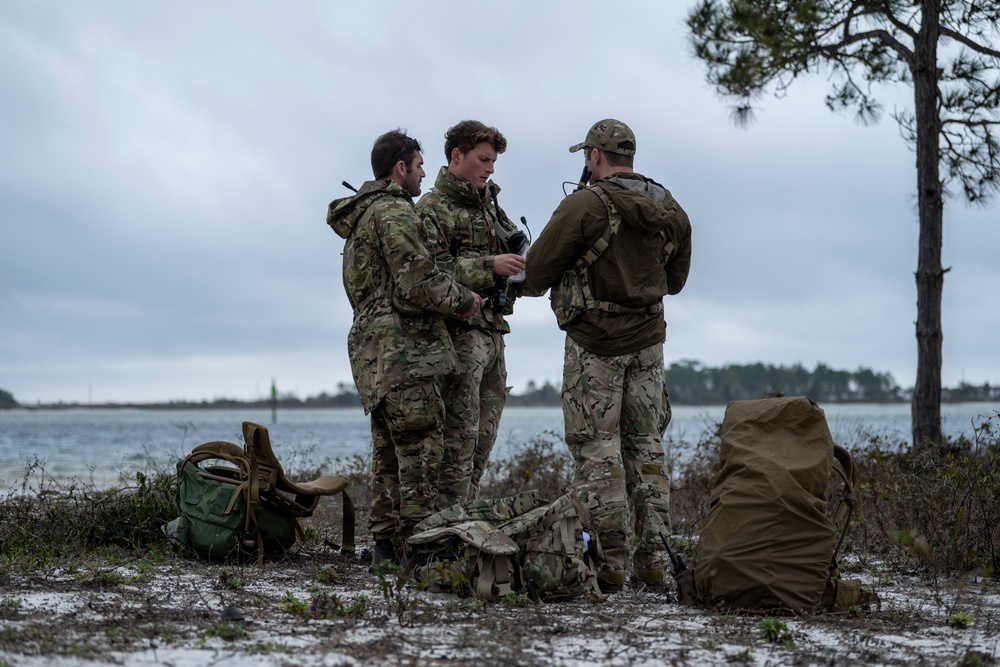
[492, 547]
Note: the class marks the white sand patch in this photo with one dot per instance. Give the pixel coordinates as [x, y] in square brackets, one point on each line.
[172, 616]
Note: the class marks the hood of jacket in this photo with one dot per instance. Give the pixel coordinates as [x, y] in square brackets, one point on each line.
[465, 193]
[344, 214]
[643, 203]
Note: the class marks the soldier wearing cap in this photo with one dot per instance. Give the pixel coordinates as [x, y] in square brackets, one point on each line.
[398, 343]
[463, 211]
[610, 253]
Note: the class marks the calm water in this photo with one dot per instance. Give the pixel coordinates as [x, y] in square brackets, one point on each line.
[104, 443]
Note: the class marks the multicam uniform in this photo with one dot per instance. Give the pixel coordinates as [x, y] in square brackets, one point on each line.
[462, 217]
[615, 404]
[399, 347]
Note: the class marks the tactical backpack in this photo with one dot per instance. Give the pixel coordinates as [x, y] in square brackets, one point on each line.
[248, 507]
[493, 547]
[574, 294]
[768, 543]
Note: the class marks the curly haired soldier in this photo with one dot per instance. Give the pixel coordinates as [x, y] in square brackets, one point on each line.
[398, 343]
[610, 253]
[463, 212]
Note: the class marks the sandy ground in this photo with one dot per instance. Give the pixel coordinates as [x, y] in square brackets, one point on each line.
[325, 609]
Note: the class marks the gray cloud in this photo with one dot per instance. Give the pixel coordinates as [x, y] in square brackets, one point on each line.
[167, 170]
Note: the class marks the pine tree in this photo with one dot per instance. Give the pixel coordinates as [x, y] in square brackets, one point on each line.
[941, 49]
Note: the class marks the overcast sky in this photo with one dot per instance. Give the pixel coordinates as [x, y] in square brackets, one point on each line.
[166, 169]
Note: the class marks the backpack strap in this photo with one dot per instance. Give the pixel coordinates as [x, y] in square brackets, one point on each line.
[494, 572]
[583, 264]
[268, 473]
[844, 467]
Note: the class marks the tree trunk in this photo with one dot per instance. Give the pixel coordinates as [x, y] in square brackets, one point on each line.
[926, 407]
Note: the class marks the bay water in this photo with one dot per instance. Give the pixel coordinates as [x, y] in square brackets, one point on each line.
[107, 445]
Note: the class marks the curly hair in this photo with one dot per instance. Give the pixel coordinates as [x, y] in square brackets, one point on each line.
[470, 133]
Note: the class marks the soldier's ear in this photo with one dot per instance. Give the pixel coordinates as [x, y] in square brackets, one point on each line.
[456, 156]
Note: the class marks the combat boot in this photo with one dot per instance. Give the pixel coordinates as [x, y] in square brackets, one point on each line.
[385, 552]
[610, 581]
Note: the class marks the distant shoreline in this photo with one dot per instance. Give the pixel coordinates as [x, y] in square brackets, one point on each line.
[257, 405]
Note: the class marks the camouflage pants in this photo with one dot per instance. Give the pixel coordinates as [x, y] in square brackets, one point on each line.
[616, 410]
[473, 398]
[407, 436]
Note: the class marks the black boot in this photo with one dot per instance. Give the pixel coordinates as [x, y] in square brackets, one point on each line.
[385, 552]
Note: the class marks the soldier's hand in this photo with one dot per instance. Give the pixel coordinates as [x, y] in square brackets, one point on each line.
[508, 265]
[470, 312]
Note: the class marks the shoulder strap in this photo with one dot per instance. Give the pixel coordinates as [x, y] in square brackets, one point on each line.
[596, 250]
[614, 223]
[268, 473]
[843, 465]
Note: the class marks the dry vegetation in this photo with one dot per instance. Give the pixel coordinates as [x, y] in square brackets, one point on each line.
[87, 577]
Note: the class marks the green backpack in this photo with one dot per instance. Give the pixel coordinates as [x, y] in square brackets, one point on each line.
[492, 547]
[768, 543]
[243, 505]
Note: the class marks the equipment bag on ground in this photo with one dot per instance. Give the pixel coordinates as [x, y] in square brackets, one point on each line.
[242, 504]
[491, 547]
[768, 543]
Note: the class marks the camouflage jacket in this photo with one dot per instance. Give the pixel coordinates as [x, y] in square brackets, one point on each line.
[399, 296]
[634, 272]
[456, 208]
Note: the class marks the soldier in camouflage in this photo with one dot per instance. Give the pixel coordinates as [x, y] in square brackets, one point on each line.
[463, 212]
[398, 343]
[610, 253]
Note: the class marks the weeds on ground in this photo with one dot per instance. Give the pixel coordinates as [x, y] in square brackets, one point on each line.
[230, 581]
[55, 520]
[227, 631]
[774, 630]
[693, 476]
[938, 507]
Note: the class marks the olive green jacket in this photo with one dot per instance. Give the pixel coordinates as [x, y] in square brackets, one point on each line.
[635, 270]
[399, 295]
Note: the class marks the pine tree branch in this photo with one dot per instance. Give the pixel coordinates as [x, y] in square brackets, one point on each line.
[966, 122]
[899, 25]
[884, 36]
[975, 46]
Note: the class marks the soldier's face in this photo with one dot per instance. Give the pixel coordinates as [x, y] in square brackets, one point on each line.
[414, 174]
[476, 166]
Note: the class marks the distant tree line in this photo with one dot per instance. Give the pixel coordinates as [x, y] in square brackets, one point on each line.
[547, 394]
[688, 381]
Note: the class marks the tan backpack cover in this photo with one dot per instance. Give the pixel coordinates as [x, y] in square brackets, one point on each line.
[768, 543]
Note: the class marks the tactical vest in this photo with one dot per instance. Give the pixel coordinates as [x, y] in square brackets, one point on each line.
[574, 294]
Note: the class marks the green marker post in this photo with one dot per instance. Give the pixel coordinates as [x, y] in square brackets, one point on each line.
[274, 402]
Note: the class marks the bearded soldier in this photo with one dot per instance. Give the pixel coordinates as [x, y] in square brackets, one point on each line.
[398, 343]
[610, 253]
[463, 212]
